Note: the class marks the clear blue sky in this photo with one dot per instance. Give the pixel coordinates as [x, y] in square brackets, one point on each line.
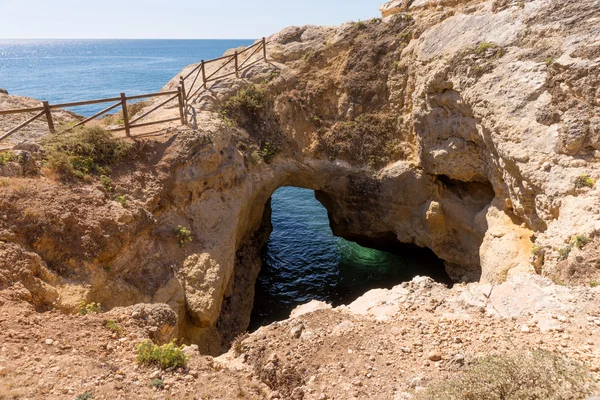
[186, 19]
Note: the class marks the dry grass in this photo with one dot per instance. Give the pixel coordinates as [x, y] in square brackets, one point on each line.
[540, 375]
[370, 138]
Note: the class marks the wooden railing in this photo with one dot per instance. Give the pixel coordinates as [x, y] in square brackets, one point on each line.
[200, 70]
[180, 94]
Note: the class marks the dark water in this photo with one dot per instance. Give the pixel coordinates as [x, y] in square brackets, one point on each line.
[73, 70]
[303, 261]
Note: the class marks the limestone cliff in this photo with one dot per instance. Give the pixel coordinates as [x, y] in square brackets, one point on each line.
[468, 127]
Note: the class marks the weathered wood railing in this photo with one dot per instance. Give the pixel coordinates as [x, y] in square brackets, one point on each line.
[200, 70]
[181, 95]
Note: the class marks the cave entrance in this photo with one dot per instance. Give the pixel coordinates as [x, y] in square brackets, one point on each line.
[303, 260]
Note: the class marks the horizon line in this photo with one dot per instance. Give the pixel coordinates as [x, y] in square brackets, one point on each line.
[130, 38]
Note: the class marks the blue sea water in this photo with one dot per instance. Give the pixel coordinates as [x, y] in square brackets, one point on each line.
[72, 70]
[302, 260]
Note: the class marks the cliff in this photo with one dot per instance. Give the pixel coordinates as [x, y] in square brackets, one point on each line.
[468, 127]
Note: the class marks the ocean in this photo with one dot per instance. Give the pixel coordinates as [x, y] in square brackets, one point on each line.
[72, 70]
[302, 260]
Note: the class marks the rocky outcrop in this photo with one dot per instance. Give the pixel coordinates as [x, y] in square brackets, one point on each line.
[465, 127]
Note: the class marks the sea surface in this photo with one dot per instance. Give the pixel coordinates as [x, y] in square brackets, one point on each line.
[72, 70]
[302, 260]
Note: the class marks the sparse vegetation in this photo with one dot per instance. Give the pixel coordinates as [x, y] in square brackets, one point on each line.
[89, 308]
[594, 284]
[584, 181]
[85, 396]
[564, 252]
[549, 61]
[183, 235]
[121, 199]
[157, 383]
[580, 241]
[8, 156]
[540, 375]
[113, 326]
[74, 155]
[106, 183]
[370, 138]
[268, 152]
[535, 250]
[483, 47]
[165, 356]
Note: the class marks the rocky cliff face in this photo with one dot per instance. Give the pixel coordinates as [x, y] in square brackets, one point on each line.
[470, 128]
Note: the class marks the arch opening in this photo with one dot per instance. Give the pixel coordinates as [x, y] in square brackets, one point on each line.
[303, 260]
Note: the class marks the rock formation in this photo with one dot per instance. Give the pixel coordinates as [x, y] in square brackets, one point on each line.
[468, 127]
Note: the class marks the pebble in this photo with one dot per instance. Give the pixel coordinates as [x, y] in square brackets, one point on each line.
[525, 329]
[49, 342]
[434, 356]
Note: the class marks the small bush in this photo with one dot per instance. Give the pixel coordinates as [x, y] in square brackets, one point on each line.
[85, 396]
[183, 235]
[122, 200]
[106, 183]
[594, 284]
[8, 156]
[538, 376]
[113, 326]
[584, 181]
[81, 152]
[535, 250]
[564, 252]
[269, 152]
[245, 107]
[157, 383]
[91, 308]
[165, 356]
[580, 240]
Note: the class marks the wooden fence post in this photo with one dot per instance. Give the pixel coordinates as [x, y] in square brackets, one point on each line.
[264, 44]
[49, 116]
[203, 75]
[237, 74]
[181, 112]
[183, 100]
[125, 115]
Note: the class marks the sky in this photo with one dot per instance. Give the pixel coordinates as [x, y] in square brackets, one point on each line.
[174, 19]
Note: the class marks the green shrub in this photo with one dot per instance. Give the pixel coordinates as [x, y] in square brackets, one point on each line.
[535, 250]
[245, 107]
[84, 151]
[183, 235]
[564, 252]
[269, 152]
[157, 383]
[594, 284]
[106, 183]
[165, 356]
[8, 156]
[113, 326]
[584, 181]
[122, 200]
[91, 308]
[538, 376]
[85, 396]
[580, 240]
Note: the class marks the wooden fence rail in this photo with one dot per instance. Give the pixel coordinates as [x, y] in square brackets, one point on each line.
[181, 95]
